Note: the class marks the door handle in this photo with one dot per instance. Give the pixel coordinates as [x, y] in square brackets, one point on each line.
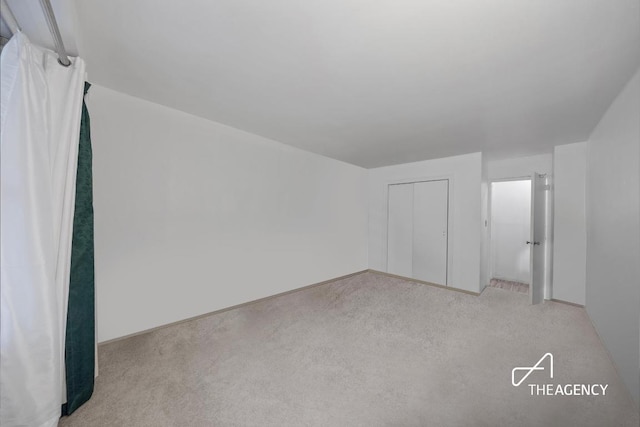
[535, 243]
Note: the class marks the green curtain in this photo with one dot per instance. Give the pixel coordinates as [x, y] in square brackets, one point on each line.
[80, 337]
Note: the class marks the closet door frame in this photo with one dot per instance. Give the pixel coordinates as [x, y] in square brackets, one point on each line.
[450, 217]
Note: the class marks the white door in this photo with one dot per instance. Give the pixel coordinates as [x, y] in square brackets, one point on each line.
[430, 222]
[400, 230]
[536, 240]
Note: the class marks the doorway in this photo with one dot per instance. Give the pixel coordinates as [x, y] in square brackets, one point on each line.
[510, 243]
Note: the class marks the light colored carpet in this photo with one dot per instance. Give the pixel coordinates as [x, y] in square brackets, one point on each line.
[509, 285]
[365, 351]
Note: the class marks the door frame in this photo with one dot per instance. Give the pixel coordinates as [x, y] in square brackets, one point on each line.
[450, 219]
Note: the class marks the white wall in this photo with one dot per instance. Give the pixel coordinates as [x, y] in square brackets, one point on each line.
[570, 229]
[464, 173]
[519, 167]
[510, 230]
[613, 232]
[192, 216]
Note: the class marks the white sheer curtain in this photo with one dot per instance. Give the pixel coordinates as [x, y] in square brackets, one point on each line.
[39, 131]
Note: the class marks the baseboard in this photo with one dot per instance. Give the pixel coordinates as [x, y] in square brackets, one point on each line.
[335, 279]
[449, 288]
[609, 355]
[222, 310]
[566, 302]
[613, 362]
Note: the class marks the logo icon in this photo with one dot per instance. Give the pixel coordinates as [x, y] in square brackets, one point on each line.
[529, 369]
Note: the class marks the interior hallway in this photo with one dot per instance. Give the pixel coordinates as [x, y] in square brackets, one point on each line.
[368, 350]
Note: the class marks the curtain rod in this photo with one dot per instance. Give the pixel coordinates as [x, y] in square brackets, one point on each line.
[8, 18]
[63, 59]
[13, 25]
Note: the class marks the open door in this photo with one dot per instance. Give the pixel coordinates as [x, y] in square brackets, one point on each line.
[536, 240]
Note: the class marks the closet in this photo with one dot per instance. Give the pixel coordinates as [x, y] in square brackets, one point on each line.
[417, 230]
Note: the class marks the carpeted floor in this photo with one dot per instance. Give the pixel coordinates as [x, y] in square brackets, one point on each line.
[509, 285]
[365, 351]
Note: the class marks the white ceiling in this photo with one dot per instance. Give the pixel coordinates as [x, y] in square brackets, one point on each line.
[371, 82]
[28, 14]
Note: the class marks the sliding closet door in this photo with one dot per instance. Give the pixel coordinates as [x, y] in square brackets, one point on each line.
[430, 219]
[400, 230]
